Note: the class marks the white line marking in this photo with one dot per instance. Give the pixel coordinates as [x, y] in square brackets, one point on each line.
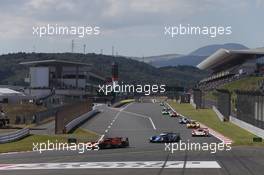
[143, 116]
[170, 107]
[116, 165]
[16, 152]
[152, 123]
[101, 138]
[115, 118]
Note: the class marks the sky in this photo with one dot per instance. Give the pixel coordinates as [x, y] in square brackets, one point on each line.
[133, 27]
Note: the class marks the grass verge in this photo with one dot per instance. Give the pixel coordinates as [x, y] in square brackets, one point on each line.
[209, 118]
[26, 144]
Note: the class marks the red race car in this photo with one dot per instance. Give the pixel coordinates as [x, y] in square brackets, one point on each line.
[173, 114]
[115, 142]
[203, 132]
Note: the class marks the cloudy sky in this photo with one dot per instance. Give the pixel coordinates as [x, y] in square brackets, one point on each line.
[134, 27]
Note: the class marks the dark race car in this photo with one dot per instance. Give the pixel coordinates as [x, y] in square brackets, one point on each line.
[165, 138]
[115, 142]
[184, 120]
[165, 111]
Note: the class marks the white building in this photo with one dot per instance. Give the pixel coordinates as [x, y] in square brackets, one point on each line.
[66, 78]
[11, 96]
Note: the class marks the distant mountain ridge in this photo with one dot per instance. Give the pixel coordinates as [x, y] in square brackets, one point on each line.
[196, 56]
[130, 71]
[210, 49]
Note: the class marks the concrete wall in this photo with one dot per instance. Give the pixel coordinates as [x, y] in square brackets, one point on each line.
[218, 113]
[257, 131]
[192, 103]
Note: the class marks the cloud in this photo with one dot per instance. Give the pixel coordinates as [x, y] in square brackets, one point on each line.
[111, 14]
[130, 19]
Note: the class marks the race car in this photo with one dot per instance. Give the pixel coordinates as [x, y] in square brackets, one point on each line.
[193, 124]
[115, 142]
[165, 111]
[173, 114]
[184, 120]
[167, 137]
[200, 132]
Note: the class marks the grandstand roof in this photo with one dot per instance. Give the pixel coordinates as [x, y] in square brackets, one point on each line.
[223, 56]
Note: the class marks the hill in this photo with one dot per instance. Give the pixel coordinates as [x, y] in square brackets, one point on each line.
[196, 56]
[130, 71]
[210, 49]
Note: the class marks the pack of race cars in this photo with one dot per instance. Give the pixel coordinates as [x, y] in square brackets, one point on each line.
[192, 124]
[165, 137]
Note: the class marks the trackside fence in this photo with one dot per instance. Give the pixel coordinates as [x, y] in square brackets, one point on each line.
[250, 107]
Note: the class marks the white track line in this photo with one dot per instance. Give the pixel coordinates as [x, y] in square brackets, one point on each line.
[143, 116]
[152, 123]
[113, 121]
[111, 165]
[101, 138]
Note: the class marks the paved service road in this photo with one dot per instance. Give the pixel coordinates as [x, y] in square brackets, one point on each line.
[137, 121]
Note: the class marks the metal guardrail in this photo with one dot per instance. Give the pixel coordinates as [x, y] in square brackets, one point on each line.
[75, 122]
[10, 137]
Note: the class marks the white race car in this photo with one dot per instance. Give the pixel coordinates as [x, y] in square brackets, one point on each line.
[200, 132]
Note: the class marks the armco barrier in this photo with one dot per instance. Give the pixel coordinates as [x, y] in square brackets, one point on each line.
[72, 124]
[253, 129]
[10, 137]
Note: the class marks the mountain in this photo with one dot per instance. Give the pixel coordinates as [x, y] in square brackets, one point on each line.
[210, 49]
[192, 60]
[196, 56]
[130, 71]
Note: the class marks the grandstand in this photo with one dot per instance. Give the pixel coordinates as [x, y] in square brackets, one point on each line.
[228, 65]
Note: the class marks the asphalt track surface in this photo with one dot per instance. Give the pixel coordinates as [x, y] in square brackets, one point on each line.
[138, 121]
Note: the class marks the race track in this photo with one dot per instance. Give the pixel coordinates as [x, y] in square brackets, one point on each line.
[137, 121]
